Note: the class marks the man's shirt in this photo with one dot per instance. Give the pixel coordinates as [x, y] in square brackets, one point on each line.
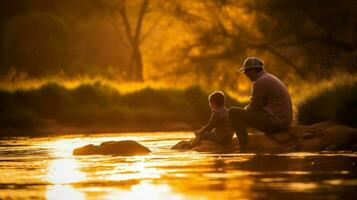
[270, 95]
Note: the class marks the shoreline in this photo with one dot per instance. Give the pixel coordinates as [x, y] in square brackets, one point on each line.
[60, 130]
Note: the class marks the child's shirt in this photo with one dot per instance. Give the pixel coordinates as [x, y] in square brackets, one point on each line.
[219, 123]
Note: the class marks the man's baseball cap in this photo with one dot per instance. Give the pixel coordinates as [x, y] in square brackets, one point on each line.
[251, 62]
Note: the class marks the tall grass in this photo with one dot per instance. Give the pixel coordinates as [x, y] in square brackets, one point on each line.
[99, 105]
[335, 100]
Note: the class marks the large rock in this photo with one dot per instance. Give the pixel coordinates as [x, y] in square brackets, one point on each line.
[206, 146]
[321, 136]
[121, 148]
[339, 137]
[264, 143]
[317, 137]
[182, 145]
[209, 146]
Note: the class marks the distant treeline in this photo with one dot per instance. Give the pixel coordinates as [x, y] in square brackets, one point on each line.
[101, 108]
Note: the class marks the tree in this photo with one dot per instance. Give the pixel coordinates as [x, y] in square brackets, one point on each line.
[322, 32]
[288, 33]
[131, 17]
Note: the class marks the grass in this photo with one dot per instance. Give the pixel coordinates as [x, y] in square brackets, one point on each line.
[335, 100]
[100, 106]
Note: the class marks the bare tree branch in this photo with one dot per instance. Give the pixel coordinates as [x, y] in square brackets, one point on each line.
[139, 22]
[151, 28]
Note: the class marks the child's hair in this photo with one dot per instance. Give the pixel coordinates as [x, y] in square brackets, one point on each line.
[217, 98]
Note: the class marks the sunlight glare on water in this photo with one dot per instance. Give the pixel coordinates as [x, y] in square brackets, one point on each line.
[45, 168]
[63, 171]
[137, 170]
[63, 192]
[146, 191]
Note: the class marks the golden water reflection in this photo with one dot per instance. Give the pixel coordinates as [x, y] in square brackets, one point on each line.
[166, 174]
[68, 173]
[61, 192]
[147, 191]
[137, 170]
[64, 171]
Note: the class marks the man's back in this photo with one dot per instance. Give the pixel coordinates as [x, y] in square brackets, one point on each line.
[271, 95]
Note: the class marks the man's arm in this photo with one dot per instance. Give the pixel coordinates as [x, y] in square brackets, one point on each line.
[257, 99]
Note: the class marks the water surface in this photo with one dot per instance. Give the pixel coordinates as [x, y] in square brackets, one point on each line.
[44, 168]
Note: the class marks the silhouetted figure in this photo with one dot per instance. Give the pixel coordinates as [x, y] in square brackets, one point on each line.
[218, 129]
[270, 107]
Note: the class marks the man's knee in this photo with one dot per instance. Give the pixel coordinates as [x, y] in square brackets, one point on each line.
[235, 112]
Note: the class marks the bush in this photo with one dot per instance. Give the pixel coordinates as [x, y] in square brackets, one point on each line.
[99, 105]
[334, 100]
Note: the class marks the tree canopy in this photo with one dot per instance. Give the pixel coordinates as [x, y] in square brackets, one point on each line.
[200, 41]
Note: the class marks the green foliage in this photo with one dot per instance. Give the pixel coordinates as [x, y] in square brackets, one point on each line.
[334, 100]
[99, 105]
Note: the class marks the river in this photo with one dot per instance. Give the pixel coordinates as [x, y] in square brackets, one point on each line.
[44, 168]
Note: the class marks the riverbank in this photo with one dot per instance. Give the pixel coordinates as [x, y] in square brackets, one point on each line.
[99, 108]
[57, 130]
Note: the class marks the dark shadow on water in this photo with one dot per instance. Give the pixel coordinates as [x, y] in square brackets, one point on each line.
[311, 177]
[286, 163]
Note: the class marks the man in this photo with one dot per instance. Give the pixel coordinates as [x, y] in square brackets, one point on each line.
[270, 107]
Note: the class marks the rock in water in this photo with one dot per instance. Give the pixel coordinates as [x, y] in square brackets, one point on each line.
[121, 148]
[210, 146]
[206, 146]
[322, 136]
[182, 145]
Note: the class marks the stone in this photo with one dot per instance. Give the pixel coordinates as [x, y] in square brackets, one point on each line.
[318, 127]
[297, 130]
[261, 142]
[210, 146]
[311, 144]
[321, 136]
[342, 137]
[206, 146]
[182, 145]
[120, 148]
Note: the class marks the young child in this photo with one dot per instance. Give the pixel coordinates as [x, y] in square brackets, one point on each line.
[218, 129]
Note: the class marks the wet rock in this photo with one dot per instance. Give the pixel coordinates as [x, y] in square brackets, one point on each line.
[321, 136]
[311, 144]
[326, 135]
[261, 142]
[210, 146]
[297, 130]
[342, 137]
[121, 148]
[206, 146]
[182, 145]
[320, 126]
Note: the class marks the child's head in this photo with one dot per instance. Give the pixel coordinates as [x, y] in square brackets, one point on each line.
[217, 99]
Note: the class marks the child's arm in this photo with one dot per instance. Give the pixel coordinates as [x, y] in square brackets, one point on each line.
[210, 125]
